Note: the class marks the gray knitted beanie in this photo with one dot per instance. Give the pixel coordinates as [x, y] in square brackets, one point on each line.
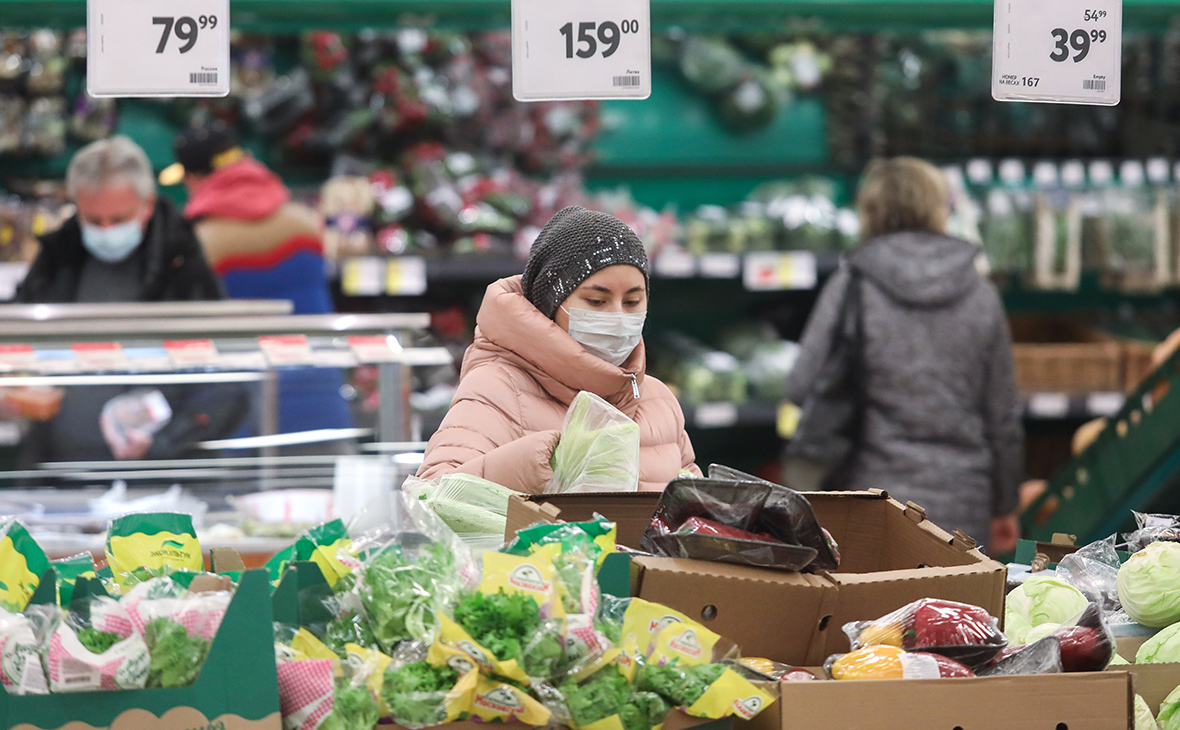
[574, 245]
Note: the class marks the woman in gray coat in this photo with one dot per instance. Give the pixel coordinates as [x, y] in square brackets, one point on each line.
[941, 422]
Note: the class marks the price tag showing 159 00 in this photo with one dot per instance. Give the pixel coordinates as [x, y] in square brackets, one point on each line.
[581, 49]
[1067, 51]
[157, 48]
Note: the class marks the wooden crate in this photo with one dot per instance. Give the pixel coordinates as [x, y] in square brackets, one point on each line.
[1069, 368]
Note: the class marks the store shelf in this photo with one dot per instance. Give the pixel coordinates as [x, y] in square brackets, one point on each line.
[1072, 406]
[710, 416]
[370, 276]
[718, 16]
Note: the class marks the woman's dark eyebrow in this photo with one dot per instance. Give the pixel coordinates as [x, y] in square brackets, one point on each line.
[602, 289]
[636, 290]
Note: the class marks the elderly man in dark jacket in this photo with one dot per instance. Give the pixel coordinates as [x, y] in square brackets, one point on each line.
[941, 420]
[124, 245]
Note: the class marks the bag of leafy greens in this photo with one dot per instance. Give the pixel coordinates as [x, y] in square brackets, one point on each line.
[598, 451]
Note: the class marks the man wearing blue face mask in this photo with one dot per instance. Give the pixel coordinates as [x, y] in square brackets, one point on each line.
[124, 245]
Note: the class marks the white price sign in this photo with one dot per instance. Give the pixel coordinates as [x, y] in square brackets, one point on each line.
[581, 49]
[158, 48]
[1058, 51]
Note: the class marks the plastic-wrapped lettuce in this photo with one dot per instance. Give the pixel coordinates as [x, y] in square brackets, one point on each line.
[598, 451]
[476, 509]
[1168, 717]
[1149, 584]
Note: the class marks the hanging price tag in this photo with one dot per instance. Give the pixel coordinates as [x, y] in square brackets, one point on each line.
[157, 48]
[1058, 51]
[17, 357]
[581, 49]
[771, 271]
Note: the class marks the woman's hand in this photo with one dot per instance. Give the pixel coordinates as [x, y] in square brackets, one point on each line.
[1005, 533]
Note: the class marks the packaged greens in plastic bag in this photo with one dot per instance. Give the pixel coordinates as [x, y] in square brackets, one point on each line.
[499, 701]
[598, 450]
[421, 694]
[21, 672]
[82, 657]
[503, 633]
[413, 568]
[68, 571]
[146, 545]
[22, 563]
[711, 691]
[965, 633]
[328, 546]
[476, 509]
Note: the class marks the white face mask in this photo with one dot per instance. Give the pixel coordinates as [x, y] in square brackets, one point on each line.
[612, 336]
[113, 243]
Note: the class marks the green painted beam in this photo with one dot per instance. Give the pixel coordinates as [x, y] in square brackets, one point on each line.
[700, 15]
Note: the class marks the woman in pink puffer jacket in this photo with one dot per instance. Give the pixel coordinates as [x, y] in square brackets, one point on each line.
[573, 322]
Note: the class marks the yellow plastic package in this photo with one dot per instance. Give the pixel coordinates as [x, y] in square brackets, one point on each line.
[664, 634]
[731, 695]
[452, 638]
[141, 546]
[495, 701]
[534, 575]
[370, 665]
[22, 562]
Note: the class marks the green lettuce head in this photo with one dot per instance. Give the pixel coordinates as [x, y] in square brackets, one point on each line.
[1037, 601]
[1149, 584]
[1168, 718]
[1143, 718]
[1163, 648]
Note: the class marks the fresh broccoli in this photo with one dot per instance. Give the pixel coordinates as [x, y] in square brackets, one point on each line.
[176, 657]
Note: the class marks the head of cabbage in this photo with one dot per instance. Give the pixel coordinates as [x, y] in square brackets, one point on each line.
[1163, 648]
[1149, 585]
[1168, 717]
[1040, 600]
[1143, 716]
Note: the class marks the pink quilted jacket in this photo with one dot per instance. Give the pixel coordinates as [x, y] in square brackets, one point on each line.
[518, 379]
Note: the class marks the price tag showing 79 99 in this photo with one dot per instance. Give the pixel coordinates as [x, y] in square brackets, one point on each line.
[157, 48]
[1067, 51]
[581, 49]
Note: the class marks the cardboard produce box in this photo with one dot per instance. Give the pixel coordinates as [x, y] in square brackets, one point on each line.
[890, 555]
[237, 688]
[1084, 701]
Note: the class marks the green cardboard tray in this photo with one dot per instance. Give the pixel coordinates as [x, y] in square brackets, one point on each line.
[237, 689]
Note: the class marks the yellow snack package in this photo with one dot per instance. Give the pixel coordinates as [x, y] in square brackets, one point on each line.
[142, 546]
[496, 701]
[451, 635]
[533, 575]
[371, 665]
[22, 562]
[731, 695]
[687, 643]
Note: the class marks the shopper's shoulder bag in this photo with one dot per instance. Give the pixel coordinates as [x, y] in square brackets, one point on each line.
[820, 453]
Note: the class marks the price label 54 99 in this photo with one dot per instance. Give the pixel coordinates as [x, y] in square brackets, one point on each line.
[1058, 51]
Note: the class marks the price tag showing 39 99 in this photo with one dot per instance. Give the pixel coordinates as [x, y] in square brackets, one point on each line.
[581, 49]
[1066, 51]
[157, 48]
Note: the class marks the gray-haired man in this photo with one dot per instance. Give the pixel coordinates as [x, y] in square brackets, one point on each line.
[125, 244]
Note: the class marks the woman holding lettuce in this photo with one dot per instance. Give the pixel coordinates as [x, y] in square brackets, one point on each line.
[573, 322]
